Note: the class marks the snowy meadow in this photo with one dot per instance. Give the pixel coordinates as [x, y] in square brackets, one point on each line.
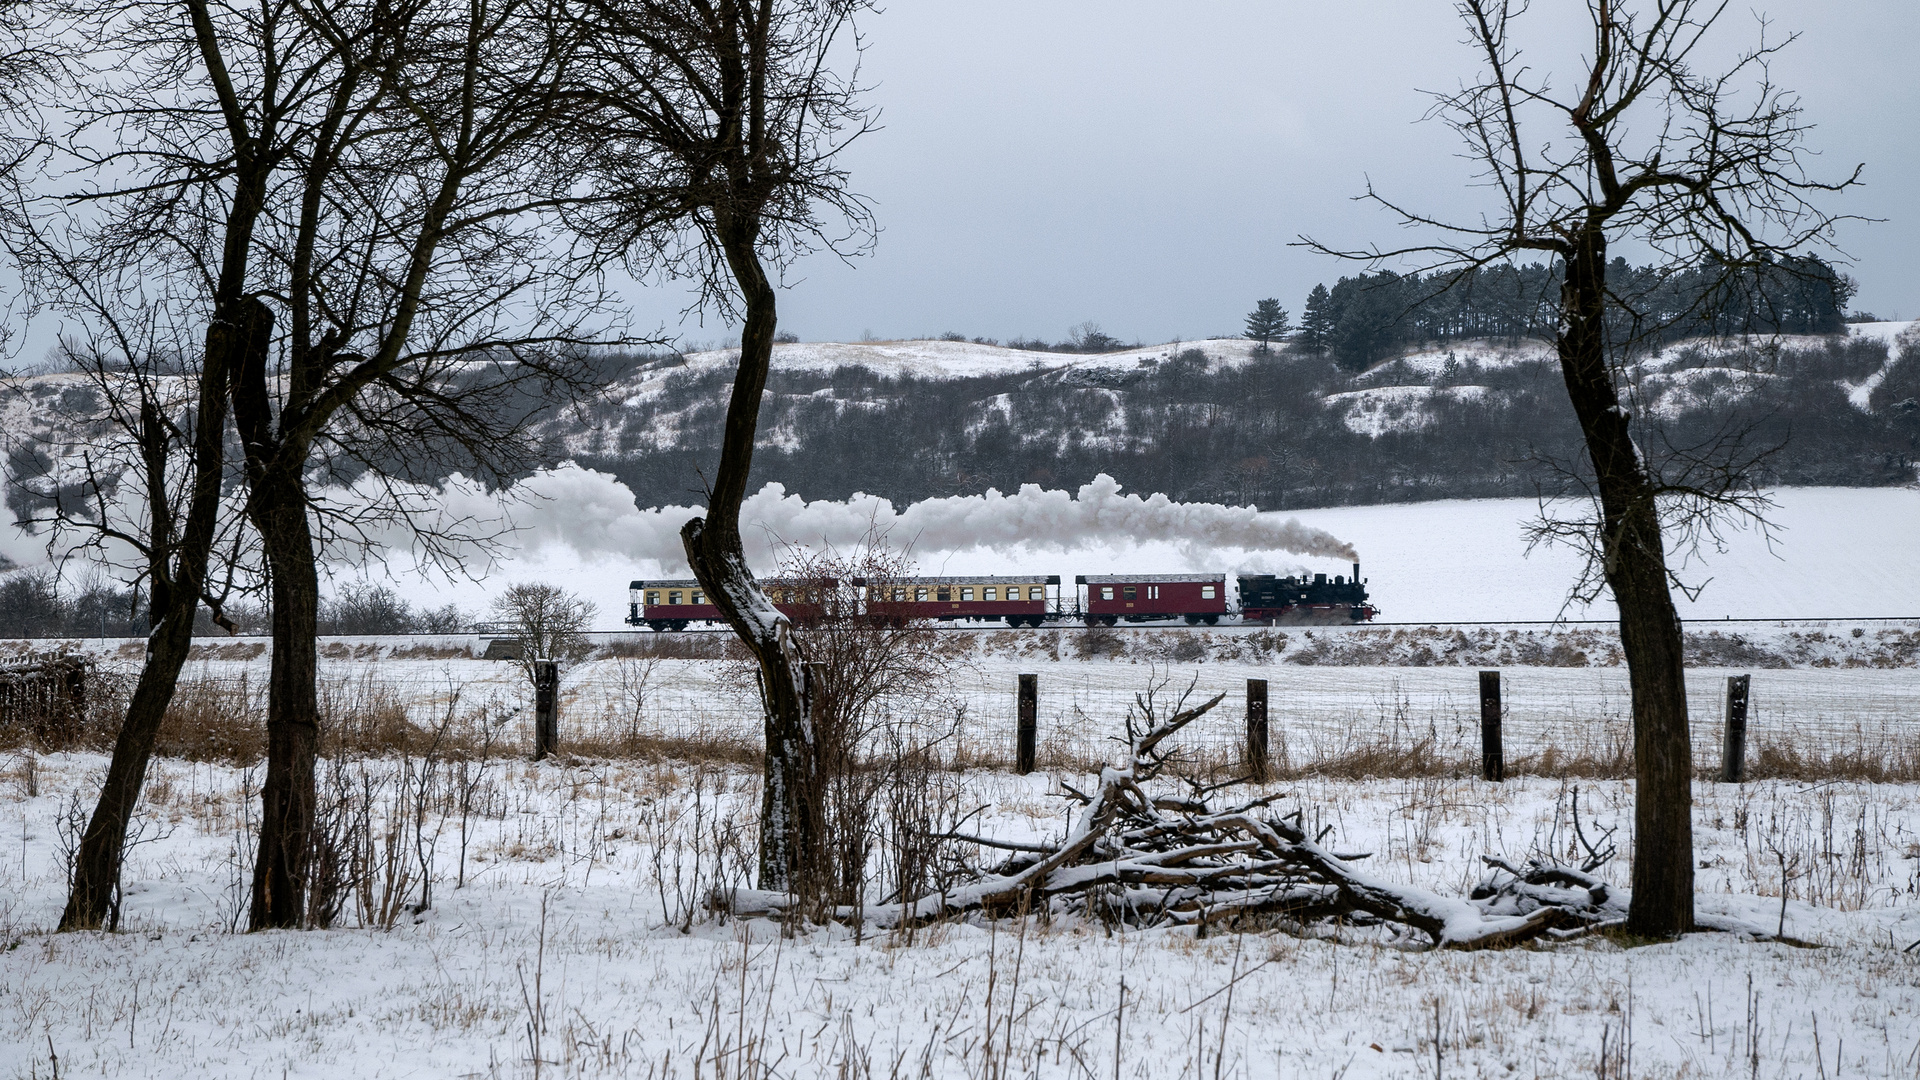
[500, 917]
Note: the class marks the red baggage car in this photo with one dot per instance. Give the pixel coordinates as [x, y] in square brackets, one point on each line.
[1197, 598]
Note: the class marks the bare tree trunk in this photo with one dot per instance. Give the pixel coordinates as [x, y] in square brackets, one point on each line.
[1636, 572]
[277, 506]
[278, 509]
[790, 804]
[175, 593]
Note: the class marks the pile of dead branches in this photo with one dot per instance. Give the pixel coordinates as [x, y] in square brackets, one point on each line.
[1148, 848]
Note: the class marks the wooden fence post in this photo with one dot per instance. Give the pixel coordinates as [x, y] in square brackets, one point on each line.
[1029, 723]
[1493, 761]
[546, 708]
[1733, 752]
[1257, 730]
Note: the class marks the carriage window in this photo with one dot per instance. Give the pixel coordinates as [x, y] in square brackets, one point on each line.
[945, 593]
[989, 593]
[653, 599]
[919, 593]
[1035, 592]
[673, 597]
[698, 597]
[1206, 592]
[1106, 592]
[1128, 592]
[966, 594]
[899, 595]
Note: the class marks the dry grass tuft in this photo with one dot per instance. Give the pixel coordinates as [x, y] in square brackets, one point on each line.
[667, 647]
[421, 650]
[215, 719]
[1886, 759]
[704, 748]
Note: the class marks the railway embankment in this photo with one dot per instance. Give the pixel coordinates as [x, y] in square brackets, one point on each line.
[1762, 645]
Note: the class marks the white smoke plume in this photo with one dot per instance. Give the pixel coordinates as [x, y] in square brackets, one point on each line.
[594, 516]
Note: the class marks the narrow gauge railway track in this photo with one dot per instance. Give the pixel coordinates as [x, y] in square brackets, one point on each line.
[1071, 626]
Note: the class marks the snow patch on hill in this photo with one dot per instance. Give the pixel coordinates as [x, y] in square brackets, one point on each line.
[966, 359]
[1900, 337]
[1380, 409]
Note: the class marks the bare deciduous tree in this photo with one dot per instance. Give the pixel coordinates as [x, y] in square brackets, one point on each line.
[153, 91]
[718, 138]
[549, 622]
[1704, 169]
[388, 174]
[428, 305]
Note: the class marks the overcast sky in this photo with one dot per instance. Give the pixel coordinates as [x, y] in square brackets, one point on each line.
[1144, 165]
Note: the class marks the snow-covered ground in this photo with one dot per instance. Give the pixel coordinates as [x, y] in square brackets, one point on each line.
[577, 947]
[1331, 691]
[566, 933]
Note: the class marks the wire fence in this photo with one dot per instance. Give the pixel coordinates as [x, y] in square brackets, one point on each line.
[1314, 713]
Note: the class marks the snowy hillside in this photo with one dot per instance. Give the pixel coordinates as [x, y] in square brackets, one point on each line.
[1674, 379]
[1217, 421]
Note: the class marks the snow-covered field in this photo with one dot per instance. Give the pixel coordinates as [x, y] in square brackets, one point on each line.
[1330, 690]
[565, 933]
[576, 938]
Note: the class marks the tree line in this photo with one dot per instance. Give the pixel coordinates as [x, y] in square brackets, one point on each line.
[1365, 318]
[39, 604]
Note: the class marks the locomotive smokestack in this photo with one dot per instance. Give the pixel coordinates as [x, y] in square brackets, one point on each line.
[1356, 573]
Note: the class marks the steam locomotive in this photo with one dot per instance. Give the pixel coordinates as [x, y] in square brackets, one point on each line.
[1096, 600]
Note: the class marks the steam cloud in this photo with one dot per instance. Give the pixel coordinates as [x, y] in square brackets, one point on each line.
[594, 516]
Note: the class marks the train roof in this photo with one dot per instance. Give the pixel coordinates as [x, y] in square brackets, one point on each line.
[1124, 579]
[689, 583]
[975, 579]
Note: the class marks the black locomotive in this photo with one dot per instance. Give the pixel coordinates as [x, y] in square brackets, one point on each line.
[1269, 599]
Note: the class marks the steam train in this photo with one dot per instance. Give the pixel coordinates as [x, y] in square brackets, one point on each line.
[1096, 600]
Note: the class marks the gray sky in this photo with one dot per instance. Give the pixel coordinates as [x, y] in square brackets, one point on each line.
[1144, 165]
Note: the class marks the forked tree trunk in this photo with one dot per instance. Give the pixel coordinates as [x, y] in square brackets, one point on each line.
[174, 598]
[277, 506]
[790, 804]
[1636, 573]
